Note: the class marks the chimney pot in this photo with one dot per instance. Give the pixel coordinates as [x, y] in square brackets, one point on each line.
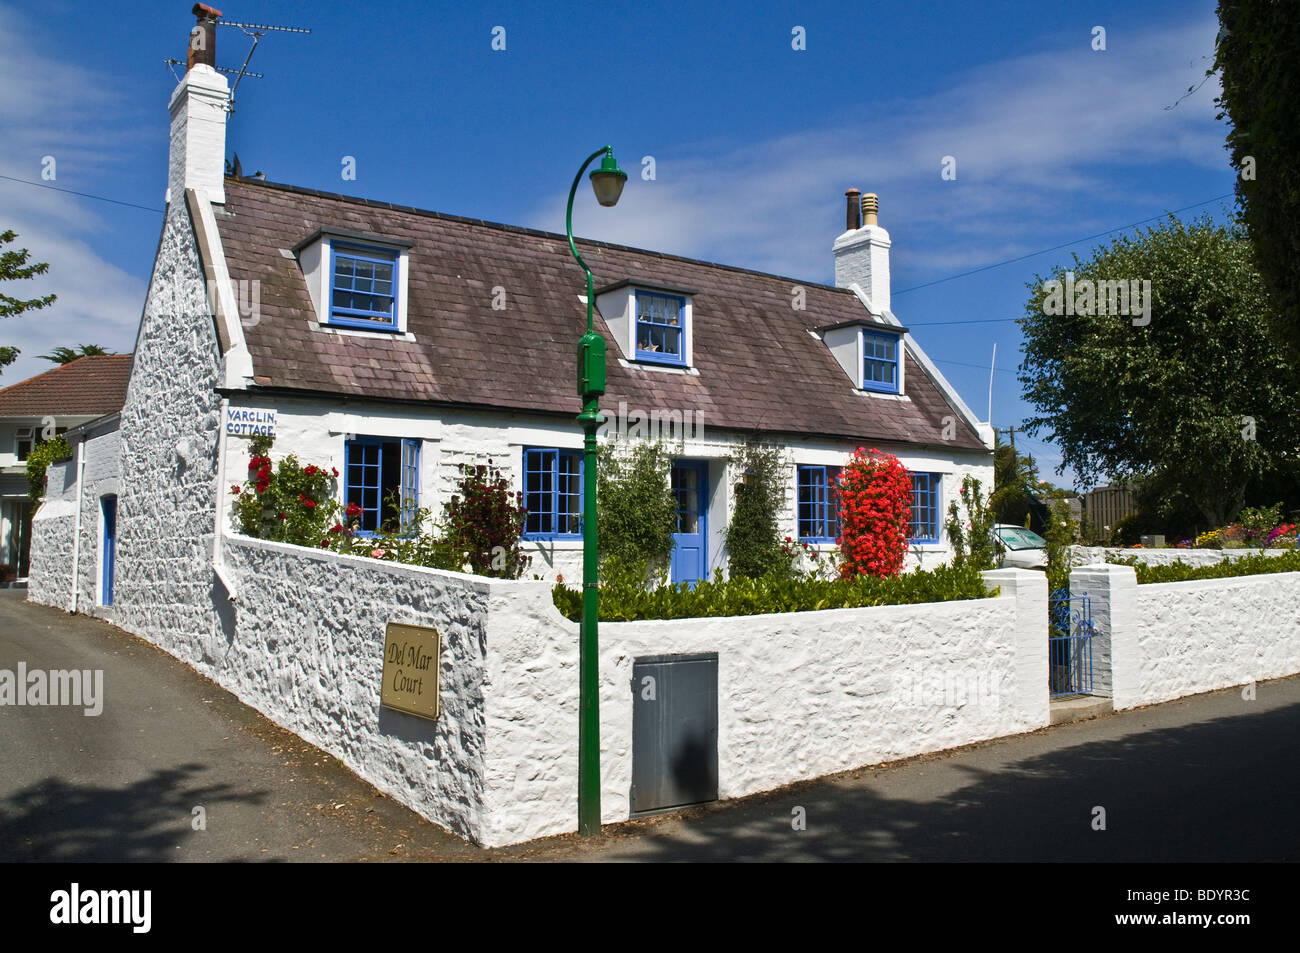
[203, 37]
[852, 220]
[870, 207]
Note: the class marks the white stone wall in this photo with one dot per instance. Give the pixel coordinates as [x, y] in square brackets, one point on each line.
[305, 647]
[1169, 640]
[54, 525]
[1088, 555]
[165, 589]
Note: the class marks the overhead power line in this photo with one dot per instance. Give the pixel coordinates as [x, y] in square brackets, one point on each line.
[84, 195]
[1044, 251]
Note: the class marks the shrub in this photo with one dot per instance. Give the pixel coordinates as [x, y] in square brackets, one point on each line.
[638, 511]
[484, 522]
[875, 493]
[1181, 572]
[753, 538]
[287, 502]
[1127, 531]
[972, 538]
[38, 461]
[740, 595]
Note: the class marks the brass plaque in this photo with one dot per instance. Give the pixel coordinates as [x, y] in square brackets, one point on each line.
[411, 669]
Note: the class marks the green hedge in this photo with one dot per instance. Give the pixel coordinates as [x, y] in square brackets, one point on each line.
[1181, 572]
[742, 596]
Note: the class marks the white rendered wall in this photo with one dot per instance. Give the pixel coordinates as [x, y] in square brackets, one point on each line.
[1088, 555]
[1169, 640]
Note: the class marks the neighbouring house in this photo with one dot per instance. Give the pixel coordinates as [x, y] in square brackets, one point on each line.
[397, 344]
[34, 410]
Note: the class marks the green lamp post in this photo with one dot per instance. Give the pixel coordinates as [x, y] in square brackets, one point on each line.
[607, 182]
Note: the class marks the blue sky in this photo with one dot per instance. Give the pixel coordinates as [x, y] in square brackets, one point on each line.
[754, 142]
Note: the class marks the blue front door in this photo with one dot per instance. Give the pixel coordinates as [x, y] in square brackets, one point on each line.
[690, 486]
[109, 504]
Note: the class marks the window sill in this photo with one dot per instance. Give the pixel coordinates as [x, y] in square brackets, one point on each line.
[883, 395]
[393, 335]
[658, 366]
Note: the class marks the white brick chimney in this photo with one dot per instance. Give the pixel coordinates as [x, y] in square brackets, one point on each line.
[862, 252]
[198, 110]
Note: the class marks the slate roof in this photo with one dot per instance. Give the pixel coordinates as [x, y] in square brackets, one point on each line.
[89, 385]
[759, 368]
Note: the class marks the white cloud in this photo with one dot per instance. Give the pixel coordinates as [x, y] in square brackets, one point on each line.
[49, 107]
[1030, 134]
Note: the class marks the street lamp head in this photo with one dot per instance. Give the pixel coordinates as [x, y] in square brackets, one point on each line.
[608, 181]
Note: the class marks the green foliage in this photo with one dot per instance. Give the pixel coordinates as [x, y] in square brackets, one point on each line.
[753, 537]
[284, 502]
[42, 455]
[1181, 572]
[740, 595]
[1014, 475]
[971, 534]
[1060, 533]
[14, 267]
[638, 511]
[1258, 58]
[66, 355]
[483, 522]
[1127, 531]
[1169, 398]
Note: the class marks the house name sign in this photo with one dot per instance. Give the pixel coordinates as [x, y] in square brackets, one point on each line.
[411, 669]
[243, 422]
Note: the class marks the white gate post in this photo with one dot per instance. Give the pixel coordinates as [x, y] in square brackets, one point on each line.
[1112, 592]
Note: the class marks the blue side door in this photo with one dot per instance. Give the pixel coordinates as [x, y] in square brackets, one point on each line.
[690, 486]
[109, 504]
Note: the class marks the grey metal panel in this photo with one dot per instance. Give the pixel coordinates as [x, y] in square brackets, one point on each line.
[674, 731]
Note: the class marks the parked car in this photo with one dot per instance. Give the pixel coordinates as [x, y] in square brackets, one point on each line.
[1019, 548]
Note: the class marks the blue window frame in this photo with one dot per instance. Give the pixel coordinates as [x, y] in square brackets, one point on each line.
[924, 527]
[819, 504]
[880, 361]
[363, 287]
[552, 493]
[660, 328]
[382, 477]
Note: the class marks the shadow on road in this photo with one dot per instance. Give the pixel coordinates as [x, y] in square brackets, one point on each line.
[1220, 790]
[53, 820]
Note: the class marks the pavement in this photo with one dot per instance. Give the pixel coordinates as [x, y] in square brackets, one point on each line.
[1206, 778]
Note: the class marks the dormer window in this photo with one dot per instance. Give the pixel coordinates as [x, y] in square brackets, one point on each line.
[660, 326]
[650, 323]
[357, 282]
[870, 353]
[363, 288]
[880, 361]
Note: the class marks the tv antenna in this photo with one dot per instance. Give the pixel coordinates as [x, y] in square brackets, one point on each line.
[256, 31]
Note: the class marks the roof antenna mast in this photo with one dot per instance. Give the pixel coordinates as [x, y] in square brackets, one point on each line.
[210, 18]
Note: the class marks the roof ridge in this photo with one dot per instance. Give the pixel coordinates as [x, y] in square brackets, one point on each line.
[524, 230]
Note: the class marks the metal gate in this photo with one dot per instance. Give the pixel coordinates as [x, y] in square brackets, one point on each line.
[674, 731]
[1069, 655]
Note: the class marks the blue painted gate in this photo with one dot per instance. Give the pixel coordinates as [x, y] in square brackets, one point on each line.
[690, 480]
[1069, 653]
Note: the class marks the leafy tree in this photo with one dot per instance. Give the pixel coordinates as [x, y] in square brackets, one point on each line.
[1258, 56]
[1014, 476]
[1192, 391]
[66, 355]
[14, 267]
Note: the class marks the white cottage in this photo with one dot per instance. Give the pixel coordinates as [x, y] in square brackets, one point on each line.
[396, 344]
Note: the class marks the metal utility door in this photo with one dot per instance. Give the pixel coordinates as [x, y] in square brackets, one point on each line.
[674, 731]
[689, 561]
[109, 504]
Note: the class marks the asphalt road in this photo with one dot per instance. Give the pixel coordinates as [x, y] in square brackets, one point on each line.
[1209, 778]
